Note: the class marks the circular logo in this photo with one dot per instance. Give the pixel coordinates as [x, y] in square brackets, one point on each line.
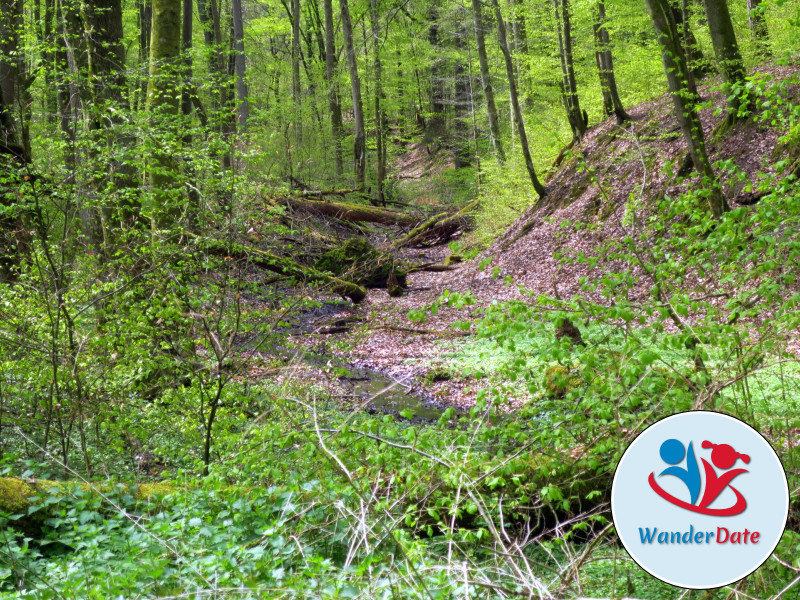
[700, 500]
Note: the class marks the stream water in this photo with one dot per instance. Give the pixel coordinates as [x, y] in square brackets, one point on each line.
[387, 394]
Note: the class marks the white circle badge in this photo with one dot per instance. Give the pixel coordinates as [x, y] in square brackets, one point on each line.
[700, 500]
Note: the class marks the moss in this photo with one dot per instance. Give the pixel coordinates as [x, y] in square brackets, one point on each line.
[558, 381]
[360, 262]
[17, 496]
[438, 374]
[146, 491]
[14, 494]
[452, 259]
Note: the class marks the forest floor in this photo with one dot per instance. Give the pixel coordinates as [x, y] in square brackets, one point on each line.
[613, 170]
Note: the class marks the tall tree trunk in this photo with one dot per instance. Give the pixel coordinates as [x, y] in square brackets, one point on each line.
[204, 14]
[186, 50]
[359, 137]
[187, 101]
[12, 72]
[512, 85]
[337, 128]
[698, 65]
[726, 50]
[461, 101]
[14, 153]
[519, 36]
[145, 18]
[48, 56]
[68, 93]
[758, 28]
[684, 100]
[518, 29]
[436, 127]
[163, 105]
[486, 81]
[211, 20]
[578, 119]
[106, 51]
[298, 132]
[105, 96]
[243, 109]
[379, 116]
[605, 66]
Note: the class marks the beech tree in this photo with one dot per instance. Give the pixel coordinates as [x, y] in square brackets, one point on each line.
[685, 100]
[13, 125]
[337, 128]
[512, 87]
[759, 32]
[726, 50]
[486, 81]
[612, 105]
[163, 103]
[578, 119]
[359, 135]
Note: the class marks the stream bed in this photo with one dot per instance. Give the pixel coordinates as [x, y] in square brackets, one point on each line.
[386, 394]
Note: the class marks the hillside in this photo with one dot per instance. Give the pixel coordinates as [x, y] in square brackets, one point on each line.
[613, 171]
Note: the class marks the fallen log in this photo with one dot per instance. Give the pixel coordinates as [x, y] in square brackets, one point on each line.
[351, 212]
[438, 229]
[443, 334]
[430, 267]
[283, 266]
[28, 498]
[320, 193]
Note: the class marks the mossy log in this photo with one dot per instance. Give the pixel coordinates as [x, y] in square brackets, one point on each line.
[347, 211]
[360, 262]
[284, 266]
[430, 267]
[19, 496]
[439, 228]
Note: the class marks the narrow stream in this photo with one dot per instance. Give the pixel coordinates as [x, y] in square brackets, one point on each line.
[388, 395]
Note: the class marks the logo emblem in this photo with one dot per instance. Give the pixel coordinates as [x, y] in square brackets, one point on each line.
[699, 500]
[723, 457]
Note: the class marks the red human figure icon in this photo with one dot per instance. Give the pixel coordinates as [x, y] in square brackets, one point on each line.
[724, 457]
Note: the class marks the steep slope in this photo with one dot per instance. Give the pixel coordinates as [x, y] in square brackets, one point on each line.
[614, 173]
[612, 169]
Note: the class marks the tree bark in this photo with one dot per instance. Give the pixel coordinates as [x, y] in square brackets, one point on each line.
[684, 100]
[164, 104]
[462, 100]
[512, 85]
[283, 266]
[379, 116]
[697, 63]
[436, 127]
[13, 85]
[239, 58]
[486, 81]
[188, 99]
[337, 128]
[106, 51]
[296, 96]
[357, 213]
[359, 136]
[605, 67]
[578, 120]
[758, 28]
[726, 50]
[439, 228]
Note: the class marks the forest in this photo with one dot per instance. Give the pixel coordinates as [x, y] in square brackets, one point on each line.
[368, 298]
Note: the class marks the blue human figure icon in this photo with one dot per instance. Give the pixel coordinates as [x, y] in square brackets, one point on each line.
[672, 452]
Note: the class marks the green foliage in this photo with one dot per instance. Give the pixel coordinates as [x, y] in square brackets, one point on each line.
[127, 347]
